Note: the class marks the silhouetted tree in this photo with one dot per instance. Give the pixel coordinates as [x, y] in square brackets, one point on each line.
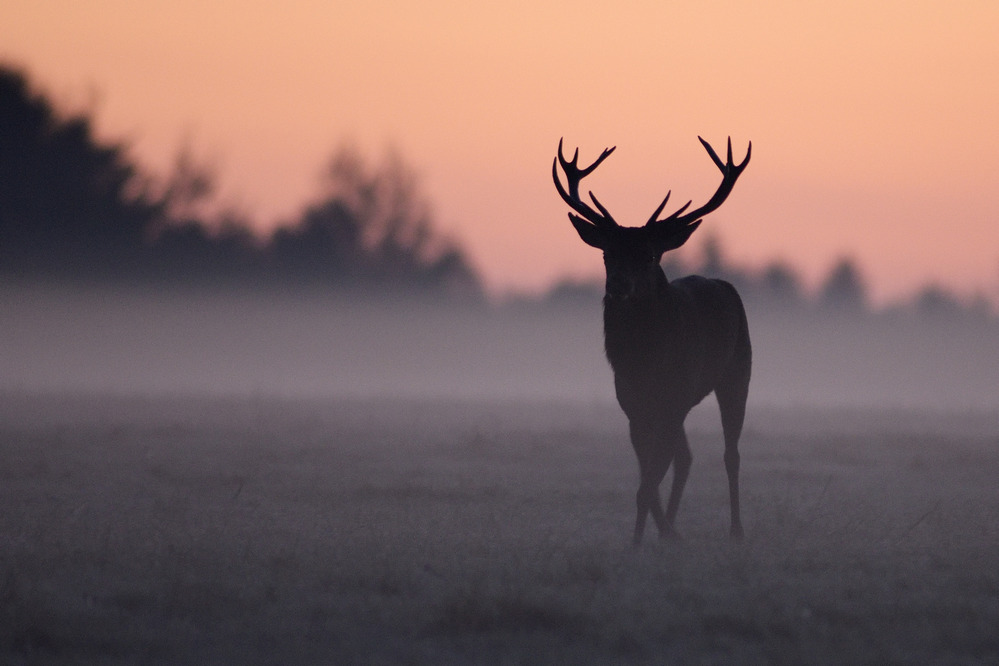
[191, 243]
[371, 228]
[844, 289]
[188, 189]
[74, 208]
[936, 303]
[69, 205]
[324, 245]
[714, 264]
[780, 285]
[575, 293]
[192, 253]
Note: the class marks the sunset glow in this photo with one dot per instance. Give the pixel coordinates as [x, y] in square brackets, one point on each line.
[873, 124]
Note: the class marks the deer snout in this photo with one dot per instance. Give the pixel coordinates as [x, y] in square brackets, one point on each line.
[620, 286]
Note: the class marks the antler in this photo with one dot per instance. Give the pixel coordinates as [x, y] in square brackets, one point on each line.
[730, 173]
[573, 174]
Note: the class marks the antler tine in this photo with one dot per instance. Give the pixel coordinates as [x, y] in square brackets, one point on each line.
[749, 152]
[730, 173]
[599, 206]
[573, 174]
[714, 155]
[588, 170]
[676, 214]
[660, 209]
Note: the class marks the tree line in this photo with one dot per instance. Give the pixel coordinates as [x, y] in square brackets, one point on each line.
[76, 209]
[778, 287]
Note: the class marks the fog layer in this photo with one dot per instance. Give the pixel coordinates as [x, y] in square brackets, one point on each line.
[278, 343]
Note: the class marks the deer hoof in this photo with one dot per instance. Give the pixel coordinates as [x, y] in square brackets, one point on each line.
[669, 534]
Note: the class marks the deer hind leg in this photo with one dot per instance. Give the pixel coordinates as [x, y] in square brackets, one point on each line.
[732, 405]
[653, 462]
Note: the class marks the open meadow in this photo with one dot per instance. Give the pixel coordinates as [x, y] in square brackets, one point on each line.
[193, 529]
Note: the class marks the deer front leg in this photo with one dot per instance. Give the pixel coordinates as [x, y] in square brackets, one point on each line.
[653, 462]
[677, 442]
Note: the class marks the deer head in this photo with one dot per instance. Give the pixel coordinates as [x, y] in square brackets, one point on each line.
[632, 254]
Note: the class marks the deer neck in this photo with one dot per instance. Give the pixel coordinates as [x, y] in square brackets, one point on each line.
[633, 325]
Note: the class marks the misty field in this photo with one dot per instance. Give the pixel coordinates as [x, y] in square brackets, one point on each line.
[260, 530]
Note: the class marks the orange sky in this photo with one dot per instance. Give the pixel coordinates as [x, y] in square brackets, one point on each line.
[873, 124]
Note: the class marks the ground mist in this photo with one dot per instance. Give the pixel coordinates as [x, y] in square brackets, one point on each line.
[194, 529]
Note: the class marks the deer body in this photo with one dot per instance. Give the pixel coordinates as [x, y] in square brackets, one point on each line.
[669, 352]
[670, 344]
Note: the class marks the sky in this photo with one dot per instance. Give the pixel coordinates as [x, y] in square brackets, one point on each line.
[873, 123]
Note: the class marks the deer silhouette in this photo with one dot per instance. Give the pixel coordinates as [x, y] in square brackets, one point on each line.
[669, 344]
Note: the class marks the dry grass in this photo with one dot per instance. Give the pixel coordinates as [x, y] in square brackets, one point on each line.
[178, 530]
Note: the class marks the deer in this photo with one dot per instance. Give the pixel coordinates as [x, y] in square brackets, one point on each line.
[669, 343]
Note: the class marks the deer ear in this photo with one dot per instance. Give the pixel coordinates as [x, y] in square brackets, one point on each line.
[591, 234]
[675, 238]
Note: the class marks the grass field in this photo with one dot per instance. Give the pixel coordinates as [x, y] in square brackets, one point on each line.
[257, 530]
